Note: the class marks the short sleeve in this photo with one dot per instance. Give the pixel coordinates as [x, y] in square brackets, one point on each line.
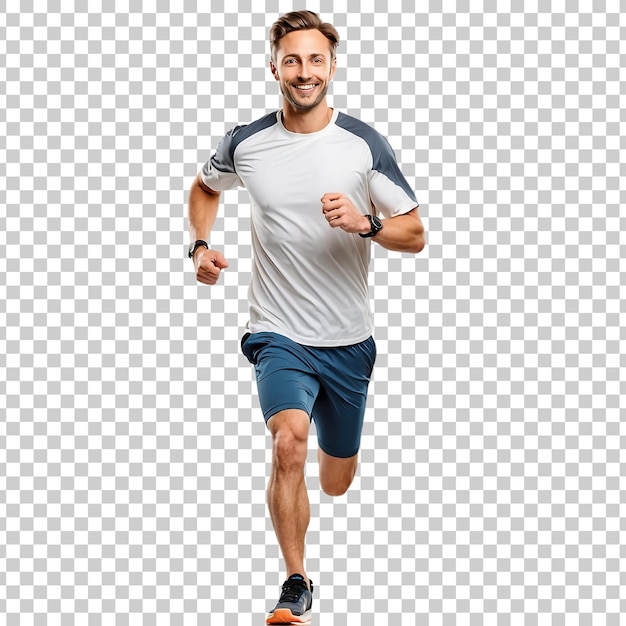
[219, 172]
[390, 192]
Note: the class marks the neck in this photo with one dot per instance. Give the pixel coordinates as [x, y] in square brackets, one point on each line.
[304, 122]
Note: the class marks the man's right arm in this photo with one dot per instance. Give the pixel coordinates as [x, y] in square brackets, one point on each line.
[203, 206]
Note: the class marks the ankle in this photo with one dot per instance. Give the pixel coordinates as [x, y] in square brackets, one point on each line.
[299, 572]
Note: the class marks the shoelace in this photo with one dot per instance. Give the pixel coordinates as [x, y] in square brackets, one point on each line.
[292, 590]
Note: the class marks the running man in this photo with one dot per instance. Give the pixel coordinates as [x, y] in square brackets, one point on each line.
[318, 181]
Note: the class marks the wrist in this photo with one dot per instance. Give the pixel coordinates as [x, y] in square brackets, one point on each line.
[365, 225]
[375, 226]
[197, 245]
[199, 249]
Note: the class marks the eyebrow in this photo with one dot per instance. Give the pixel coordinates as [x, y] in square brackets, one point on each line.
[316, 54]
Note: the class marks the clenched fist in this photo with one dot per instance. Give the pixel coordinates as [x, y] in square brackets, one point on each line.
[209, 264]
[341, 213]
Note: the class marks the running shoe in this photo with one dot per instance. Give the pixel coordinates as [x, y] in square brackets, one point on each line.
[294, 606]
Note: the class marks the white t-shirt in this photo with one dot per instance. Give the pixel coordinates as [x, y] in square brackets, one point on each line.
[309, 281]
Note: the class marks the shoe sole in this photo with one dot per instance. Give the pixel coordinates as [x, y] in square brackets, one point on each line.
[285, 616]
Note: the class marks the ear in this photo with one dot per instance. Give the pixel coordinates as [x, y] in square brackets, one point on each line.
[274, 70]
[333, 68]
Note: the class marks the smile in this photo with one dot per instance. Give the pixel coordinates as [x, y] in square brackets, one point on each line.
[305, 87]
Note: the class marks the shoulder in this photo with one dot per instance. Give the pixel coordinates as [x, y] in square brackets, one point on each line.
[377, 143]
[224, 157]
[383, 156]
[239, 133]
[225, 151]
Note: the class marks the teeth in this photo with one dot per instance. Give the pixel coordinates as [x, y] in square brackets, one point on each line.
[304, 87]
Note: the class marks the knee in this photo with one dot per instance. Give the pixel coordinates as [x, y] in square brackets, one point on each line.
[289, 450]
[336, 474]
[338, 484]
[335, 488]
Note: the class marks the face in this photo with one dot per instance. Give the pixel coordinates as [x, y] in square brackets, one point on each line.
[304, 68]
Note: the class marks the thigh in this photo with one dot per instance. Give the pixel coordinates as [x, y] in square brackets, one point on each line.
[284, 378]
[339, 409]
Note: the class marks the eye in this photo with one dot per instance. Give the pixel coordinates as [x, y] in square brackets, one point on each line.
[290, 61]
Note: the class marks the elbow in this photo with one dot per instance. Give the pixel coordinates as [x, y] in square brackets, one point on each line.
[418, 245]
[419, 241]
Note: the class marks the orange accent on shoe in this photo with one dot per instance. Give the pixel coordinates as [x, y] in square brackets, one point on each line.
[285, 616]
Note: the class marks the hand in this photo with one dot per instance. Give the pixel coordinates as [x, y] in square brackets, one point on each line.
[341, 213]
[209, 264]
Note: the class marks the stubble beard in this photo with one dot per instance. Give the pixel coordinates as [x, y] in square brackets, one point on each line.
[300, 106]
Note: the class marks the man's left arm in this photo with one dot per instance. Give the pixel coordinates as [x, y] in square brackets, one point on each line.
[402, 233]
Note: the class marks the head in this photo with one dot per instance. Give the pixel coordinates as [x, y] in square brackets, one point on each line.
[303, 57]
[301, 20]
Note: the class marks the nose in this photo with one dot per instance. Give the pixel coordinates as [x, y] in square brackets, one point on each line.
[304, 73]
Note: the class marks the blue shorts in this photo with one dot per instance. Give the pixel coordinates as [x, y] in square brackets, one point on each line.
[329, 384]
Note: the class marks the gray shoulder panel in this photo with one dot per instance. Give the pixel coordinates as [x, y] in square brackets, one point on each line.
[223, 159]
[383, 157]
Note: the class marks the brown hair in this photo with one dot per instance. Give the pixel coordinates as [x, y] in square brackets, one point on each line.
[301, 20]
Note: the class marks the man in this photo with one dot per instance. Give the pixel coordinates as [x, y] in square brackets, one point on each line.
[317, 179]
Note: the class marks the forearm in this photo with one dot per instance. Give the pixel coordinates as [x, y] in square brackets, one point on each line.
[403, 233]
[203, 207]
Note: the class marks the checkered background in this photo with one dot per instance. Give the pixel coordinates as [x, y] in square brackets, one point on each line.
[133, 454]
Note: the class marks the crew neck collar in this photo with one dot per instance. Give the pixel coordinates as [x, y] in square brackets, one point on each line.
[331, 122]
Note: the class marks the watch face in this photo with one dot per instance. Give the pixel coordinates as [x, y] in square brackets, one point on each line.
[376, 223]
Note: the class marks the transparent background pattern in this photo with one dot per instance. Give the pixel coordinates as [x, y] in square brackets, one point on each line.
[133, 454]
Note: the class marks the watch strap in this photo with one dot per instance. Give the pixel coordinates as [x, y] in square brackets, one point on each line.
[374, 228]
[194, 246]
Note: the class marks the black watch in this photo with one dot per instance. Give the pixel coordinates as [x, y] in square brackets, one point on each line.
[375, 227]
[194, 246]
